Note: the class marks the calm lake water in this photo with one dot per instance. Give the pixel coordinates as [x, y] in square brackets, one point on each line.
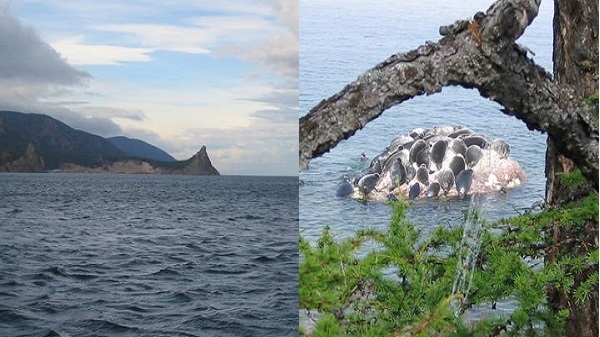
[135, 255]
[338, 42]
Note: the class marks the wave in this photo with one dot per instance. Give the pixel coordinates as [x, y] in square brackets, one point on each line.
[105, 327]
[46, 274]
[131, 308]
[45, 333]
[225, 272]
[182, 297]
[245, 217]
[167, 271]
[10, 283]
[12, 315]
[123, 275]
[269, 259]
[54, 271]
[52, 333]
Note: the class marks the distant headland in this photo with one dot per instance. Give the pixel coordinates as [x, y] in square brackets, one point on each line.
[39, 143]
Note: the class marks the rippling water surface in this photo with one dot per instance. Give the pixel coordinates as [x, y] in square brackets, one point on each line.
[133, 255]
[339, 41]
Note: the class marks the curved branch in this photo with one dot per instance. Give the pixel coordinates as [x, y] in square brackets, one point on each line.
[481, 54]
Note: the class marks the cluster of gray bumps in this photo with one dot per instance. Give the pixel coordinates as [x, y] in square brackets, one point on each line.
[427, 161]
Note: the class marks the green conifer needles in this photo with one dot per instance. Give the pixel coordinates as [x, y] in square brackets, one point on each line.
[402, 285]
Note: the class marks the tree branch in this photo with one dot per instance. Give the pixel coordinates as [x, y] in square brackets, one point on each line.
[481, 54]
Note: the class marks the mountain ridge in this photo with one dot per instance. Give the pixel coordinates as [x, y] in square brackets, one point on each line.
[39, 143]
[140, 149]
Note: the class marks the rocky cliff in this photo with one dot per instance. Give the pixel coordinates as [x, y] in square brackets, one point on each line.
[197, 164]
[201, 163]
[29, 162]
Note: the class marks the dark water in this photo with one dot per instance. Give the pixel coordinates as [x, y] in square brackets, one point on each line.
[341, 40]
[132, 255]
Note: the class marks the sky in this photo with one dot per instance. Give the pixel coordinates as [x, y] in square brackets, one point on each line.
[178, 74]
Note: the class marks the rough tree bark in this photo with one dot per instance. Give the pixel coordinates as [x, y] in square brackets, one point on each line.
[575, 65]
[480, 54]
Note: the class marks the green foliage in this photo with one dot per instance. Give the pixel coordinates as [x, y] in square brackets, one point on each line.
[330, 271]
[575, 179]
[584, 291]
[354, 290]
[359, 297]
[327, 326]
[592, 99]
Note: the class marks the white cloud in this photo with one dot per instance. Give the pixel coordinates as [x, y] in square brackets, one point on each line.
[287, 13]
[78, 53]
[200, 34]
[268, 144]
[166, 37]
[252, 37]
[263, 138]
[111, 112]
[248, 126]
[279, 52]
[230, 26]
